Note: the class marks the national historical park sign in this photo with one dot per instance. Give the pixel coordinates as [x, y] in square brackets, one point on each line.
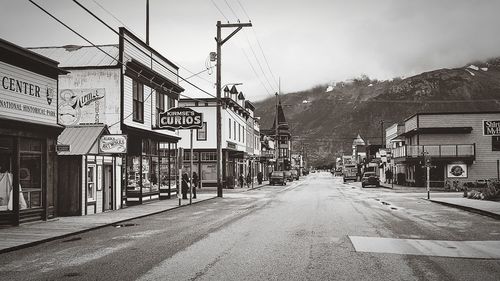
[180, 118]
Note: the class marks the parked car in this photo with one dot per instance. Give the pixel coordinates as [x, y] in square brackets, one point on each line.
[370, 178]
[288, 175]
[277, 177]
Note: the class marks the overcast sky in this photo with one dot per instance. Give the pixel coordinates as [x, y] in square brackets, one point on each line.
[305, 42]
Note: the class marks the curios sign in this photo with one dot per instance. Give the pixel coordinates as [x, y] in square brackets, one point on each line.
[180, 118]
[113, 144]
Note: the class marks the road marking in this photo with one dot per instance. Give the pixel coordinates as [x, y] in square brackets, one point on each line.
[439, 248]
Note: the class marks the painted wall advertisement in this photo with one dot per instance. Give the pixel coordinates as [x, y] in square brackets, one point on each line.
[81, 106]
[456, 170]
[27, 95]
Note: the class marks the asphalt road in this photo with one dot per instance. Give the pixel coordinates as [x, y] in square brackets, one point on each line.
[306, 230]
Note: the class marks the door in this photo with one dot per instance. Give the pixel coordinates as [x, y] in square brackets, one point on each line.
[108, 188]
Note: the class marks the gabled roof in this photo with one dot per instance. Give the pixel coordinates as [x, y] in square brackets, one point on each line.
[81, 56]
[81, 139]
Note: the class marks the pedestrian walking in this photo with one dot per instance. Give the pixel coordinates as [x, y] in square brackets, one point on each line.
[249, 179]
[388, 176]
[259, 177]
[185, 185]
[195, 184]
[241, 180]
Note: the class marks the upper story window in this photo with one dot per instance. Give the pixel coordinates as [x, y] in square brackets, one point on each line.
[201, 134]
[171, 103]
[495, 143]
[229, 128]
[138, 101]
[160, 105]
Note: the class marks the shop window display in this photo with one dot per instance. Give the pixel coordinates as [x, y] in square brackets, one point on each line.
[133, 173]
[30, 180]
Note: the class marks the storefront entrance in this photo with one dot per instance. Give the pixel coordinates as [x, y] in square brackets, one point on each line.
[108, 188]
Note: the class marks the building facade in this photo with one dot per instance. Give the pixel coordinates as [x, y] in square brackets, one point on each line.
[118, 90]
[28, 134]
[240, 130]
[452, 144]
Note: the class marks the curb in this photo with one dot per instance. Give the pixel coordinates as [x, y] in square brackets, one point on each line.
[470, 209]
[34, 243]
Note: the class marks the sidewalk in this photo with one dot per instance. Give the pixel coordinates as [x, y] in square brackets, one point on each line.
[451, 198]
[483, 207]
[30, 234]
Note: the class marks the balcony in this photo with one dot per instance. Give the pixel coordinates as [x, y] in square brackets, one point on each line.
[436, 151]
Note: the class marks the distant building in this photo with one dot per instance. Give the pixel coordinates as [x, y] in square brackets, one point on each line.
[281, 133]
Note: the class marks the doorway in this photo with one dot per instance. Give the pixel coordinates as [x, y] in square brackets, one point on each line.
[108, 188]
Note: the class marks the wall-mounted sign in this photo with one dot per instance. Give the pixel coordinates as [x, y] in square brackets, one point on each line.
[491, 127]
[62, 148]
[456, 170]
[77, 106]
[113, 144]
[180, 118]
[27, 95]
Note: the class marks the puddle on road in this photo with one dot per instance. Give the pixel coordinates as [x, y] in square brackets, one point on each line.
[124, 225]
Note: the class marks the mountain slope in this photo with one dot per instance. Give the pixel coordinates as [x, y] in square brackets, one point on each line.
[326, 122]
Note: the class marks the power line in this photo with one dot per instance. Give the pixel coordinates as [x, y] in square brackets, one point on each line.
[142, 51]
[265, 58]
[258, 62]
[244, 11]
[256, 74]
[217, 7]
[106, 53]
[121, 22]
[230, 8]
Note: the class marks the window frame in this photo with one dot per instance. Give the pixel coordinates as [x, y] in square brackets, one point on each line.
[202, 130]
[159, 105]
[93, 182]
[137, 101]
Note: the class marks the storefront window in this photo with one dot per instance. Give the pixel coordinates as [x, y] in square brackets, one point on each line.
[164, 173]
[133, 173]
[6, 146]
[91, 175]
[173, 164]
[153, 174]
[146, 168]
[208, 171]
[30, 173]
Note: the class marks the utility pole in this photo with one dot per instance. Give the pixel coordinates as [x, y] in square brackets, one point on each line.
[276, 141]
[382, 133]
[147, 22]
[221, 42]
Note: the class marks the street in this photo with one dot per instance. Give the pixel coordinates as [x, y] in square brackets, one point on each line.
[317, 228]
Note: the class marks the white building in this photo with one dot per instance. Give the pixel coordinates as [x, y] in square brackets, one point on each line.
[240, 133]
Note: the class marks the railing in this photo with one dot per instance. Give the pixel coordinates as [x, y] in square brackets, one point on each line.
[444, 150]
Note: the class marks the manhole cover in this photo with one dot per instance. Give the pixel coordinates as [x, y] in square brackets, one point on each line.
[72, 239]
[124, 225]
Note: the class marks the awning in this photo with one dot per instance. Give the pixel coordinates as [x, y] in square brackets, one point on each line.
[81, 139]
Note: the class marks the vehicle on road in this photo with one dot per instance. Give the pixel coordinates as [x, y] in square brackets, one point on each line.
[295, 174]
[288, 175]
[277, 177]
[370, 178]
[350, 172]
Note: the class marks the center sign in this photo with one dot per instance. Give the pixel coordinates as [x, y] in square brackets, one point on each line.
[180, 118]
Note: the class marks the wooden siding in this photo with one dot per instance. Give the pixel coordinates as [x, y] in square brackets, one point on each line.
[411, 123]
[108, 82]
[484, 166]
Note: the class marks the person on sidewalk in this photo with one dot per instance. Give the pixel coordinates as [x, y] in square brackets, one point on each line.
[241, 180]
[249, 180]
[195, 184]
[185, 185]
[259, 177]
[388, 176]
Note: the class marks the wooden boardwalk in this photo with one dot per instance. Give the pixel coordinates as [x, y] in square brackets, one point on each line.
[29, 234]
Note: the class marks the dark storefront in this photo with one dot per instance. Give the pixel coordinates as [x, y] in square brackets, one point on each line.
[28, 133]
